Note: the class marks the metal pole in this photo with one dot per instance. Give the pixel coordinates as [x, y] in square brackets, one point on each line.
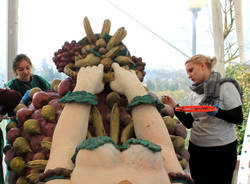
[12, 34]
[194, 18]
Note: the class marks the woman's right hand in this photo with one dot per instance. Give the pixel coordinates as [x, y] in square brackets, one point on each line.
[126, 82]
[90, 79]
[168, 101]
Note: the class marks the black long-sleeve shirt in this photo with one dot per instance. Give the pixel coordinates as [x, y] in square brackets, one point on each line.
[234, 116]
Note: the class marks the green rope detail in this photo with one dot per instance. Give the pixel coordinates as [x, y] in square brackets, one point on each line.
[179, 181]
[95, 52]
[55, 177]
[79, 97]
[153, 147]
[123, 52]
[95, 142]
[132, 67]
[107, 37]
[146, 99]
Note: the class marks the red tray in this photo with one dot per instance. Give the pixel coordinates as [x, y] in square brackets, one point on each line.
[196, 108]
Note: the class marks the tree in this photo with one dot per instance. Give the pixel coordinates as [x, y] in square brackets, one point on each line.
[49, 71]
[230, 45]
[172, 82]
[242, 75]
[227, 40]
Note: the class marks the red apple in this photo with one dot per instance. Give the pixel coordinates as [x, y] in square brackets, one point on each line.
[9, 155]
[180, 130]
[28, 156]
[47, 128]
[40, 99]
[25, 135]
[167, 111]
[65, 86]
[35, 143]
[56, 104]
[53, 94]
[12, 134]
[23, 114]
[37, 115]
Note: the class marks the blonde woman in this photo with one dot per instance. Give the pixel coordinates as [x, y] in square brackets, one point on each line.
[213, 140]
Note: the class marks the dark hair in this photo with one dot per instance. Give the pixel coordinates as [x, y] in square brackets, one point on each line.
[18, 59]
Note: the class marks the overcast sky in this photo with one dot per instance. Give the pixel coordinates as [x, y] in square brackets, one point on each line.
[152, 26]
[48, 24]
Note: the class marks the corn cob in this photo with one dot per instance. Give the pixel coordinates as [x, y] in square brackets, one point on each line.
[21, 180]
[90, 35]
[68, 71]
[127, 132]
[89, 60]
[122, 36]
[112, 98]
[37, 164]
[97, 122]
[33, 176]
[46, 145]
[124, 60]
[117, 38]
[115, 123]
[112, 52]
[105, 28]
[89, 135]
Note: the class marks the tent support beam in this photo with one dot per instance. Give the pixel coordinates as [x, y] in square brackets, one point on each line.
[12, 35]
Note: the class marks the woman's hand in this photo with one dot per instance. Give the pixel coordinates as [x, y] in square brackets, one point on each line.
[90, 79]
[168, 100]
[126, 82]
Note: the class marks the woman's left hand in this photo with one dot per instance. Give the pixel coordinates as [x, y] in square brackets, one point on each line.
[90, 79]
[213, 113]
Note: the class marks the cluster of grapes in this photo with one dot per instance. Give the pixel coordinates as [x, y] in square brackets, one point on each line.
[66, 54]
[140, 67]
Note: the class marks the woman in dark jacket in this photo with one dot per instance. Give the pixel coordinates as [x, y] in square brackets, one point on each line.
[25, 80]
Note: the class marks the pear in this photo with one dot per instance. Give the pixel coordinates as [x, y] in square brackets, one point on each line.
[21, 145]
[32, 126]
[170, 124]
[17, 164]
[49, 113]
[178, 142]
[54, 84]
[33, 91]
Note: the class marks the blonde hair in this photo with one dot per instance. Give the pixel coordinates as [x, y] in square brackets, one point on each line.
[197, 59]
